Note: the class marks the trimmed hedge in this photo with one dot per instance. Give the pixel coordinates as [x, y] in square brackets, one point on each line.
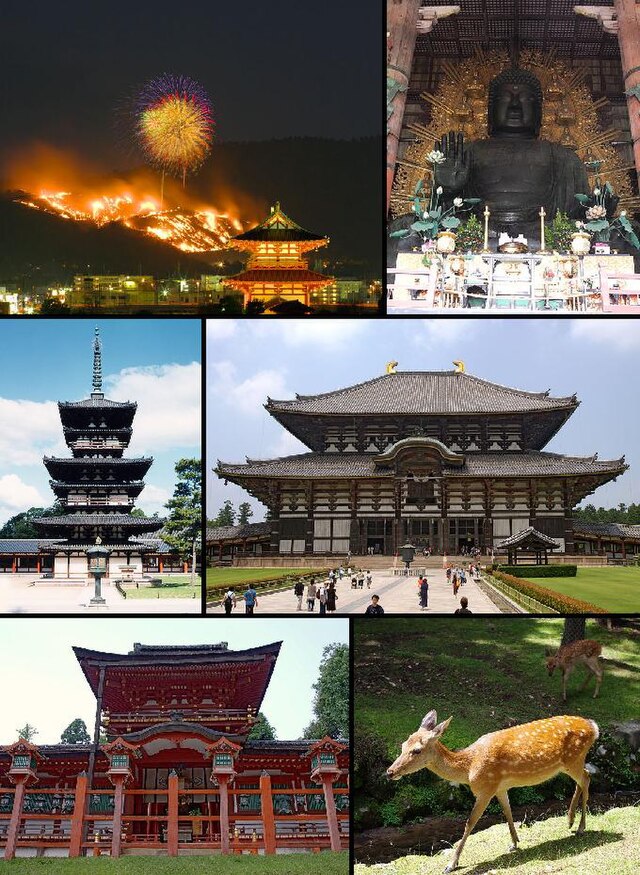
[217, 590]
[562, 603]
[539, 570]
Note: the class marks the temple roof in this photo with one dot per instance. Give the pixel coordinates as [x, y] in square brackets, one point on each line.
[102, 519]
[350, 465]
[248, 530]
[97, 403]
[33, 546]
[611, 530]
[278, 227]
[279, 275]
[424, 392]
[529, 538]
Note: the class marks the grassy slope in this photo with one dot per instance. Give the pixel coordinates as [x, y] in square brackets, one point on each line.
[245, 575]
[614, 589]
[481, 671]
[293, 864]
[610, 844]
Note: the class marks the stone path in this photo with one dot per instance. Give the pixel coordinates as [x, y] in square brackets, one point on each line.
[397, 595]
[18, 596]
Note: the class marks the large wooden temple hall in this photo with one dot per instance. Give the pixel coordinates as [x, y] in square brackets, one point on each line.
[443, 459]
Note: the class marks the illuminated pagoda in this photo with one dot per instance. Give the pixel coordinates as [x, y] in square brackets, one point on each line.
[443, 459]
[178, 772]
[97, 486]
[277, 270]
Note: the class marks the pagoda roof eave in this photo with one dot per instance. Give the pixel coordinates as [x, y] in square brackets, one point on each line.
[97, 404]
[101, 519]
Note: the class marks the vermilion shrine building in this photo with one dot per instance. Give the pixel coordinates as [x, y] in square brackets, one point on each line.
[277, 270]
[177, 773]
[442, 459]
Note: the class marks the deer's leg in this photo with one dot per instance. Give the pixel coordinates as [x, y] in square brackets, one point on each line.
[503, 799]
[590, 673]
[476, 813]
[582, 779]
[574, 803]
[597, 671]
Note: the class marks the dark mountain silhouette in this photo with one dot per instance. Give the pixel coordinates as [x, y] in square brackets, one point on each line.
[328, 186]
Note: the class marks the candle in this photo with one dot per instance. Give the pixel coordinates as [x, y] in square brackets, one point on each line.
[486, 228]
[542, 214]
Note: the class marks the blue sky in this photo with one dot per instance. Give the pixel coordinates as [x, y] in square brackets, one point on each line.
[595, 358]
[154, 362]
[50, 667]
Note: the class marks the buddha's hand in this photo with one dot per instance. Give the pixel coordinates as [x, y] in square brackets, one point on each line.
[452, 173]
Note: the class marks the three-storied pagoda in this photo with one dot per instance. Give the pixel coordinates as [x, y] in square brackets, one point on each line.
[97, 485]
[177, 772]
[277, 270]
[443, 459]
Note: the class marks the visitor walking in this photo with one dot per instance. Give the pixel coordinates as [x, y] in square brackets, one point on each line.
[311, 595]
[424, 594]
[463, 609]
[250, 600]
[361, 580]
[332, 595]
[298, 590]
[374, 609]
[321, 595]
[229, 601]
[369, 579]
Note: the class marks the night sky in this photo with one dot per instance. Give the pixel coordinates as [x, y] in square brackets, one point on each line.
[273, 68]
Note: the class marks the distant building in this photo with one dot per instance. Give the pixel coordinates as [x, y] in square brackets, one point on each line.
[8, 301]
[278, 270]
[180, 291]
[112, 291]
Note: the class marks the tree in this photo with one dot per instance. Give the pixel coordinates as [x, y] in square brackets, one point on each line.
[21, 525]
[261, 730]
[244, 512]
[28, 732]
[226, 515]
[331, 701]
[574, 628]
[76, 733]
[184, 524]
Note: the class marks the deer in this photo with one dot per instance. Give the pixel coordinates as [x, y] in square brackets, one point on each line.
[585, 652]
[520, 756]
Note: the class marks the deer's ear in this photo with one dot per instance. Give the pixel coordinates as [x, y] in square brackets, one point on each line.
[548, 651]
[429, 720]
[441, 728]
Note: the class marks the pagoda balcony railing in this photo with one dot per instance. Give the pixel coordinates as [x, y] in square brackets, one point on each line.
[97, 444]
[82, 822]
[100, 502]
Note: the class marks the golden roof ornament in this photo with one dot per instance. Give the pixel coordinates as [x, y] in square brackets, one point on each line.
[391, 367]
[459, 367]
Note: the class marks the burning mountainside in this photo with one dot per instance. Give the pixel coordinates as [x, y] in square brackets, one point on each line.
[190, 230]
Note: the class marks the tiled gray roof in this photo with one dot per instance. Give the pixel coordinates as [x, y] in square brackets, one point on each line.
[528, 534]
[97, 403]
[100, 519]
[24, 545]
[248, 530]
[96, 460]
[615, 530]
[432, 392]
[476, 465]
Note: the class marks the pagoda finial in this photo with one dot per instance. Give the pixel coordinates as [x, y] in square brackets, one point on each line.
[97, 363]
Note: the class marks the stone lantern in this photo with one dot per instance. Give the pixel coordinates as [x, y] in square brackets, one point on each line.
[97, 557]
[223, 755]
[326, 771]
[407, 554]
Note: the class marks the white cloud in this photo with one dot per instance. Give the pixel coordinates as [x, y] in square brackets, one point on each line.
[168, 399]
[446, 330]
[28, 430]
[153, 499]
[246, 396]
[613, 333]
[286, 445]
[324, 333]
[221, 329]
[17, 496]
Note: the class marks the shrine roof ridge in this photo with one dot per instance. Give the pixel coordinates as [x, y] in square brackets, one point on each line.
[98, 403]
[349, 465]
[530, 533]
[111, 460]
[278, 226]
[100, 519]
[433, 392]
[173, 654]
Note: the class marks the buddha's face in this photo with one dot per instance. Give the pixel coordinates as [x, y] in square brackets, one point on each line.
[515, 110]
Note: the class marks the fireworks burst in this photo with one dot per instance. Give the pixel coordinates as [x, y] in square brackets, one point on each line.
[175, 124]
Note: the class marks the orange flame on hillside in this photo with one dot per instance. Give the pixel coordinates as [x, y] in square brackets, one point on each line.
[73, 189]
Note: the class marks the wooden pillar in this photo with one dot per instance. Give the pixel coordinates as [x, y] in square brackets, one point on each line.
[332, 816]
[444, 519]
[14, 566]
[77, 818]
[160, 566]
[172, 815]
[268, 820]
[628, 30]
[116, 837]
[14, 822]
[223, 781]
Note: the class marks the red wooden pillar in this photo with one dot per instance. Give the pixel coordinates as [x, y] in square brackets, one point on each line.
[116, 838]
[160, 566]
[14, 567]
[268, 820]
[172, 813]
[332, 815]
[223, 781]
[38, 565]
[16, 814]
[77, 818]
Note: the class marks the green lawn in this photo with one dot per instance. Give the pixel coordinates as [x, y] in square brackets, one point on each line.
[483, 672]
[239, 576]
[180, 588]
[611, 844]
[616, 589]
[326, 863]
